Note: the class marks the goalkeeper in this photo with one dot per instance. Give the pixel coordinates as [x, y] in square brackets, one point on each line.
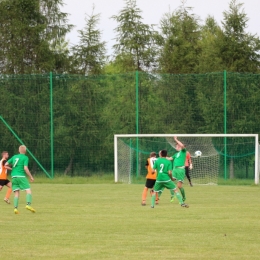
[188, 167]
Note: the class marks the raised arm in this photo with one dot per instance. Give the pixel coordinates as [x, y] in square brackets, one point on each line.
[178, 142]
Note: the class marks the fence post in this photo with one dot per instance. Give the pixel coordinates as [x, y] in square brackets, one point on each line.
[225, 124]
[21, 142]
[137, 118]
[51, 133]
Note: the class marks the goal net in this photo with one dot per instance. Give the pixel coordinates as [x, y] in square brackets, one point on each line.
[227, 156]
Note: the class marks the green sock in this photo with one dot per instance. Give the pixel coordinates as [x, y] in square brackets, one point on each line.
[159, 194]
[179, 197]
[29, 198]
[16, 199]
[183, 193]
[172, 193]
[153, 200]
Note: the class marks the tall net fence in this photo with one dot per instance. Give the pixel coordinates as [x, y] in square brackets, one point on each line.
[26, 109]
[85, 113]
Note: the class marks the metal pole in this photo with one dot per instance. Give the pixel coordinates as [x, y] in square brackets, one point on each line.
[29, 152]
[51, 130]
[225, 124]
[137, 119]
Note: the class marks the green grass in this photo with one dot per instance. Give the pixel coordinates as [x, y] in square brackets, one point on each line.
[107, 221]
[62, 179]
[109, 179]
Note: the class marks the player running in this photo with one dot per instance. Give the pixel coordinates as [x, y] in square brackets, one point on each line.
[19, 163]
[3, 177]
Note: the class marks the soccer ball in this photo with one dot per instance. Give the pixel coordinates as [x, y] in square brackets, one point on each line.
[198, 153]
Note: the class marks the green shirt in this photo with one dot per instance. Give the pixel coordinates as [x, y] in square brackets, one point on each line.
[179, 158]
[162, 166]
[18, 162]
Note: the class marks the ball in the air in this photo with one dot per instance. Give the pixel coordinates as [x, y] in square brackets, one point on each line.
[198, 153]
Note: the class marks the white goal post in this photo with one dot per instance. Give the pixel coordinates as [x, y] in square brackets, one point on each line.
[239, 151]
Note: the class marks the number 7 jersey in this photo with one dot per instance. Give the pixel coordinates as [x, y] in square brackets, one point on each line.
[18, 162]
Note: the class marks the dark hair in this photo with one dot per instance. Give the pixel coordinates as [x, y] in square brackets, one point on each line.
[4, 152]
[152, 154]
[163, 153]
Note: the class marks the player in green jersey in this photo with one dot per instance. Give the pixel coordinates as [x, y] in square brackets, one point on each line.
[18, 165]
[179, 166]
[164, 179]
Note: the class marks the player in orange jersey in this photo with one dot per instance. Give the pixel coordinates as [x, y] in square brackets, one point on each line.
[150, 178]
[3, 177]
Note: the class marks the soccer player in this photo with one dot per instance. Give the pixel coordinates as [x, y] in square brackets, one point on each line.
[179, 166]
[188, 167]
[150, 178]
[164, 178]
[3, 177]
[18, 165]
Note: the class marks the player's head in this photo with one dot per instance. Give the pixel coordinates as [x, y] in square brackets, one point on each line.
[152, 154]
[163, 153]
[22, 149]
[5, 155]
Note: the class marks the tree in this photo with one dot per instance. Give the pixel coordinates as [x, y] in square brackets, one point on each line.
[56, 26]
[29, 30]
[89, 55]
[239, 50]
[135, 48]
[180, 32]
[62, 59]
[79, 129]
[209, 59]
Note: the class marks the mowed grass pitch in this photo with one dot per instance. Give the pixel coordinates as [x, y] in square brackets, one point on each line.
[107, 221]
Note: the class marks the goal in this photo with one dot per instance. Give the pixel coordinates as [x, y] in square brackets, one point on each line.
[227, 156]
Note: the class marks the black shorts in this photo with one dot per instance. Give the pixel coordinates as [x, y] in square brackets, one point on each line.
[4, 182]
[187, 170]
[149, 183]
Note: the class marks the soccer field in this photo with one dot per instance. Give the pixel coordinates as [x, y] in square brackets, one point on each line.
[107, 221]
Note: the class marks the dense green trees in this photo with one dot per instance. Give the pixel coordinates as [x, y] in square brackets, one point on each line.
[180, 33]
[240, 50]
[33, 40]
[29, 31]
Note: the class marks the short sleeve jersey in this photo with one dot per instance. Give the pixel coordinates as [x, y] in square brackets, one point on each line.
[18, 162]
[179, 158]
[3, 171]
[162, 166]
[149, 164]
